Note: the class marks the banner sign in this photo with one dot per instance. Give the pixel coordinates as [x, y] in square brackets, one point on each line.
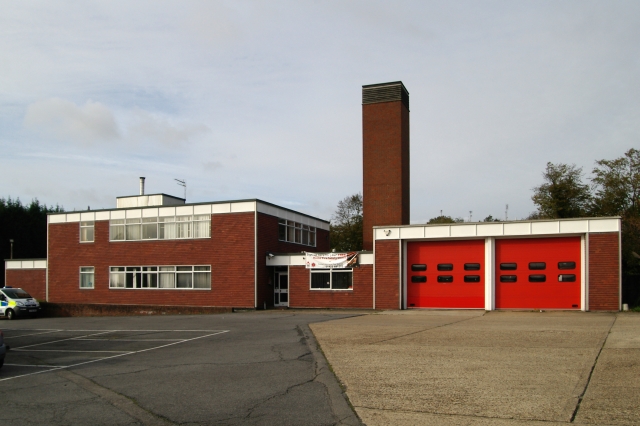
[330, 260]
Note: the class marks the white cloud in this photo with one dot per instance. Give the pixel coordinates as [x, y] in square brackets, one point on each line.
[146, 127]
[64, 120]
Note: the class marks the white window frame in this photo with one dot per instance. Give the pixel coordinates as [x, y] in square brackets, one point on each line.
[170, 270]
[330, 272]
[85, 225]
[91, 272]
[181, 227]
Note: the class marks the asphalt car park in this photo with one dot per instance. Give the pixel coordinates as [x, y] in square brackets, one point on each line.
[241, 368]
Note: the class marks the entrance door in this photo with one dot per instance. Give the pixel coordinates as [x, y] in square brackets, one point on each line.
[281, 288]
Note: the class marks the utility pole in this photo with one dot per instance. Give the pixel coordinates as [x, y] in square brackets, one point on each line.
[11, 255]
[470, 212]
[506, 213]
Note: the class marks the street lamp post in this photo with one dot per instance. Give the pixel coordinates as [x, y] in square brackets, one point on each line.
[11, 255]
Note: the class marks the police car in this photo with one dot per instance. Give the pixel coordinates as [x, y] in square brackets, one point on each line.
[16, 302]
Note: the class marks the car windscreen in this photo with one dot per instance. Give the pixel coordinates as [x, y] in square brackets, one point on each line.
[16, 293]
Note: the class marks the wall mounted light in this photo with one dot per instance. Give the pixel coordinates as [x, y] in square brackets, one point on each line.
[387, 232]
[270, 255]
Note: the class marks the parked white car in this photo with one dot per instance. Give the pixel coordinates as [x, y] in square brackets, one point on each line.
[16, 302]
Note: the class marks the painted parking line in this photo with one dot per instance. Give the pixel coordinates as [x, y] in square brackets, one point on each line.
[214, 333]
[63, 340]
[68, 350]
[35, 366]
[35, 334]
[115, 339]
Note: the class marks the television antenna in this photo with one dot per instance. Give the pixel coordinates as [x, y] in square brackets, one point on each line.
[183, 183]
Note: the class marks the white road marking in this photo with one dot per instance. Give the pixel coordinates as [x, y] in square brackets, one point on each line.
[37, 366]
[65, 350]
[119, 355]
[115, 339]
[62, 340]
[34, 334]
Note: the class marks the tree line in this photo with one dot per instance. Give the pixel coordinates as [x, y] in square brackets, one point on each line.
[26, 225]
[612, 190]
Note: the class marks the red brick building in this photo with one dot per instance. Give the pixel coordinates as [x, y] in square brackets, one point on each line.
[157, 250]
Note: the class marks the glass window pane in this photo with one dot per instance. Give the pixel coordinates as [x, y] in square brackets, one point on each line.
[149, 280]
[149, 231]
[116, 279]
[167, 268]
[341, 280]
[86, 234]
[167, 280]
[320, 280]
[282, 232]
[166, 231]
[298, 235]
[202, 280]
[86, 269]
[312, 238]
[86, 280]
[202, 268]
[184, 229]
[202, 229]
[291, 234]
[184, 268]
[184, 280]
[116, 233]
[133, 232]
[149, 219]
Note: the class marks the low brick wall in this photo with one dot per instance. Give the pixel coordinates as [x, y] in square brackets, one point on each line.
[96, 310]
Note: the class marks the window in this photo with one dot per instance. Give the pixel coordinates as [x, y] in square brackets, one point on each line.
[86, 232]
[418, 279]
[508, 278]
[418, 267]
[86, 276]
[537, 265]
[296, 232]
[471, 266]
[566, 265]
[332, 279]
[472, 278]
[569, 278]
[160, 228]
[508, 266]
[445, 266]
[154, 277]
[537, 278]
[445, 278]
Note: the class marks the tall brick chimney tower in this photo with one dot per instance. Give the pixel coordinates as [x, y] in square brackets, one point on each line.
[385, 149]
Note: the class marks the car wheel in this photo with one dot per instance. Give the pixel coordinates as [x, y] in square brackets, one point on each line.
[10, 314]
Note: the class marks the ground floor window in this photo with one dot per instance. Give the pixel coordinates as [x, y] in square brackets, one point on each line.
[86, 276]
[152, 277]
[332, 279]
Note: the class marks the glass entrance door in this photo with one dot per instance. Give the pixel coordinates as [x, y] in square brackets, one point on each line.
[281, 288]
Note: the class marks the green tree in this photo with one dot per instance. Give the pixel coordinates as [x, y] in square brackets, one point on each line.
[491, 219]
[444, 219]
[563, 194]
[346, 224]
[27, 226]
[616, 185]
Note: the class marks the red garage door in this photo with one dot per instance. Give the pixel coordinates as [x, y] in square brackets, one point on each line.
[538, 273]
[445, 274]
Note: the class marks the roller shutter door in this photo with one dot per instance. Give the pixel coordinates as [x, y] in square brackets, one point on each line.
[445, 274]
[538, 273]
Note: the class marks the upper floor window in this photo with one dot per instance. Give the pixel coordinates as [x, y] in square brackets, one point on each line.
[296, 232]
[160, 228]
[86, 232]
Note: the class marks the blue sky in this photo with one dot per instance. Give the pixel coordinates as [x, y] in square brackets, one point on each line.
[263, 99]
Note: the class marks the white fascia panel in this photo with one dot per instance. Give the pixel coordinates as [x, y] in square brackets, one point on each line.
[73, 217]
[463, 231]
[387, 233]
[27, 264]
[40, 264]
[202, 209]
[282, 260]
[436, 231]
[134, 214]
[184, 211]
[57, 218]
[604, 225]
[118, 214]
[574, 226]
[297, 260]
[517, 228]
[88, 216]
[220, 208]
[164, 212]
[102, 215]
[413, 232]
[13, 264]
[538, 228]
[249, 206]
[150, 212]
[490, 229]
[365, 259]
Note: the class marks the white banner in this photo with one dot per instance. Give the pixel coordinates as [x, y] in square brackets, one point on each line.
[330, 260]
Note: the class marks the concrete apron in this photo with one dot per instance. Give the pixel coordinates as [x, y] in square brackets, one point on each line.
[477, 368]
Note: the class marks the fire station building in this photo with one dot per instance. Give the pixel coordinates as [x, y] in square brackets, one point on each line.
[157, 250]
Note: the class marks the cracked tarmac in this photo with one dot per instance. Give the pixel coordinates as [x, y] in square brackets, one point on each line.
[265, 370]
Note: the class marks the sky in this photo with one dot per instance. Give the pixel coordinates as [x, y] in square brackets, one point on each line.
[251, 99]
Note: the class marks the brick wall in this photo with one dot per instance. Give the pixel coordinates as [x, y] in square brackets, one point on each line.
[229, 251]
[387, 261]
[301, 295]
[604, 272]
[33, 281]
[268, 242]
[385, 142]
